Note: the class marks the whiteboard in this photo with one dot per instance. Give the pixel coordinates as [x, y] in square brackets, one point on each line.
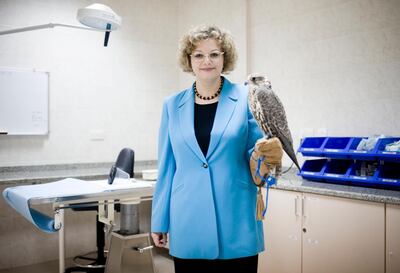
[24, 103]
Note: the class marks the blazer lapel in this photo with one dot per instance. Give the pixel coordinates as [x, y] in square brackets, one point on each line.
[186, 122]
[225, 108]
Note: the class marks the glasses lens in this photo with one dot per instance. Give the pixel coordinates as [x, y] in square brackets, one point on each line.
[198, 56]
[215, 55]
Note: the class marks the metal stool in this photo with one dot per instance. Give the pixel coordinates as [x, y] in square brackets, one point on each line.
[130, 253]
[124, 167]
[96, 264]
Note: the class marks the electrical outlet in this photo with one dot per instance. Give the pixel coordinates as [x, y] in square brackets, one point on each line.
[97, 135]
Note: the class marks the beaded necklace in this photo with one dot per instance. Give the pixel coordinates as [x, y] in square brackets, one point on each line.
[216, 94]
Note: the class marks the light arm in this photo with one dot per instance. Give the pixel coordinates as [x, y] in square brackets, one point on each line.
[49, 25]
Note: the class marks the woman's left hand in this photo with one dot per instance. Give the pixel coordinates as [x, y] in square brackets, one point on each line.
[271, 150]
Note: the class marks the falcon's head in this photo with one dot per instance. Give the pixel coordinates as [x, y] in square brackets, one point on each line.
[257, 79]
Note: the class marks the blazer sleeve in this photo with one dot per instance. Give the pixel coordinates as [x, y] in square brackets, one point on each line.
[166, 171]
[254, 133]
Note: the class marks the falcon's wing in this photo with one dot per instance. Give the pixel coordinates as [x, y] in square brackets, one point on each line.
[256, 110]
[275, 115]
[274, 112]
[262, 120]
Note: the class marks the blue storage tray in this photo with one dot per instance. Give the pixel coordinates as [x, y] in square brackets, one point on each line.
[344, 162]
[337, 170]
[389, 175]
[386, 155]
[359, 154]
[345, 147]
[360, 179]
[336, 147]
[312, 146]
[342, 171]
[313, 169]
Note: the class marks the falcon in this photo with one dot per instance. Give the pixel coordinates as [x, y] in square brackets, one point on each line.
[270, 115]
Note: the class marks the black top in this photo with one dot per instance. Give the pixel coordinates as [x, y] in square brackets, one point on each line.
[204, 115]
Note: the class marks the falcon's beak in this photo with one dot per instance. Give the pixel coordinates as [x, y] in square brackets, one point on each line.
[246, 82]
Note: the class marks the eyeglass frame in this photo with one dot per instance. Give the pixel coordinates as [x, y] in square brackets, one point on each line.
[204, 56]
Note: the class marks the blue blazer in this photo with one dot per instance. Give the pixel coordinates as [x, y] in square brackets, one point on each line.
[207, 204]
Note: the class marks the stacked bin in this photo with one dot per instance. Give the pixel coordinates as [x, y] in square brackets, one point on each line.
[340, 162]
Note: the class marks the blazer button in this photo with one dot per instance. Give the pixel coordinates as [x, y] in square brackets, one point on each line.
[205, 166]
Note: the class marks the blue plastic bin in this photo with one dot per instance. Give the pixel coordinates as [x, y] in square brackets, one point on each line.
[359, 154]
[344, 161]
[359, 178]
[336, 147]
[389, 175]
[337, 171]
[313, 169]
[312, 146]
[385, 155]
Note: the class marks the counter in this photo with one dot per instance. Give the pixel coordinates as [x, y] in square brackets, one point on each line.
[20, 175]
[291, 181]
[11, 176]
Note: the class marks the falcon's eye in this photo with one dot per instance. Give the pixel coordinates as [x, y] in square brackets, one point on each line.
[253, 78]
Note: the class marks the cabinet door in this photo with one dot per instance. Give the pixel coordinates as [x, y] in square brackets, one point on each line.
[342, 235]
[392, 239]
[282, 231]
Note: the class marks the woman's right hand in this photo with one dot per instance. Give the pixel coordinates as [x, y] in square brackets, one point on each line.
[160, 239]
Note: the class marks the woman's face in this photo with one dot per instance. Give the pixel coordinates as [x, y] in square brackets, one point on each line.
[207, 60]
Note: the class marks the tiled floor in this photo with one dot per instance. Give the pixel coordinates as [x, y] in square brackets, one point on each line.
[162, 261]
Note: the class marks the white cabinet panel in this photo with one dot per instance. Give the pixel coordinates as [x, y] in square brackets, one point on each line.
[342, 235]
[392, 239]
[310, 233]
[282, 231]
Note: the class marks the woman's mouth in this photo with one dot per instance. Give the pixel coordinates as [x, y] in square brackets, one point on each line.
[207, 69]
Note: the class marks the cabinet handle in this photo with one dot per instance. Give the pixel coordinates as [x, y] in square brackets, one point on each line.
[296, 206]
[303, 207]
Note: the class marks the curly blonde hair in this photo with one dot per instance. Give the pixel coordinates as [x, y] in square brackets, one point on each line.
[189, 41]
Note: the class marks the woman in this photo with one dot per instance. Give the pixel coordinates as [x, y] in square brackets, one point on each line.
[205, 199]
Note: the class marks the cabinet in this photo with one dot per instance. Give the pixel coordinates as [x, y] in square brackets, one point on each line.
[282, 233]
[392, 239]
[310, 233]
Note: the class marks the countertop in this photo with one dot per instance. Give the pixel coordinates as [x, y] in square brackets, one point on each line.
[22, 175]
[12, 176]
[291, 181]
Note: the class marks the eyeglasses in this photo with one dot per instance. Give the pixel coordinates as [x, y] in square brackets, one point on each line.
[213, 56]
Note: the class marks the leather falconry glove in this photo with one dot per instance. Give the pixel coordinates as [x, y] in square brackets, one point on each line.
[270, 153]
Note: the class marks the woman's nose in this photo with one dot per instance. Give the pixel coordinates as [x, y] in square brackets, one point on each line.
[207, 59]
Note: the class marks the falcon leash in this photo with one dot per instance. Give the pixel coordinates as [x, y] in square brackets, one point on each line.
[266, 181]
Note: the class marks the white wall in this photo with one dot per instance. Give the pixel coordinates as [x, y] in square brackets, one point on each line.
[101, 99]
[334, 63]
[112, 93]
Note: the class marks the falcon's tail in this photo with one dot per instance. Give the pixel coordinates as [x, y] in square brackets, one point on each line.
[288, 148]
